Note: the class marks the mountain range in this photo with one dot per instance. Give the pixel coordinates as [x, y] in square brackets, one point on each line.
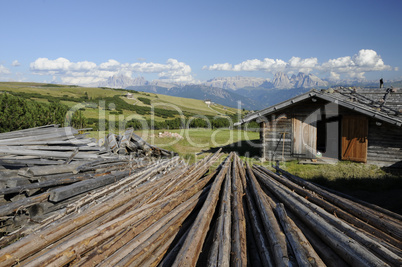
[253, 93]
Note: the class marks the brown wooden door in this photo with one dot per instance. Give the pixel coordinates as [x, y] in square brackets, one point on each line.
[354, 138]
[304, 138]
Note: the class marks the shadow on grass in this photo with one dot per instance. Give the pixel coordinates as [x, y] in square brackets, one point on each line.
[244, 148]
[385, 192]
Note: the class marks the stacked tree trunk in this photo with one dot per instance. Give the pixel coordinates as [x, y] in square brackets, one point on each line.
[130, 143]
[216, 212]
[44, 169]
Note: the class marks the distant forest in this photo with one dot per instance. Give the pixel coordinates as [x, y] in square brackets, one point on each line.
[18, 111]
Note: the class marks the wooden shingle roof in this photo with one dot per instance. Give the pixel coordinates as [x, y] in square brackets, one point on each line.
[382, 104]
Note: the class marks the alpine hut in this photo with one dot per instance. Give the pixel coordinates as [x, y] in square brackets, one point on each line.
[356, 124]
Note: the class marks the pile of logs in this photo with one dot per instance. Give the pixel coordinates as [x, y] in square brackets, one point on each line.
[217, 211]
[44, 169]
[131, 144]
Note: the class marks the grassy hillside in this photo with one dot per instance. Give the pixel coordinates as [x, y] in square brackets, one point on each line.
[117, 106]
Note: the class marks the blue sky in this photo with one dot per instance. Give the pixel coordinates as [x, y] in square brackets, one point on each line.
[84, 42]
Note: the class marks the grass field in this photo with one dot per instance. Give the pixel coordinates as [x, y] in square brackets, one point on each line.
[179, 104]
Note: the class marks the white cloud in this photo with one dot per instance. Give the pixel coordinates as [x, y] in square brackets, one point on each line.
[111, 64]
[267, 64]
[334, 76]
[224, 66]
[4, 70]
[16, 63]
[365, 60]
[303, 65]
[355, 67]
[86, 72]
[60, 65]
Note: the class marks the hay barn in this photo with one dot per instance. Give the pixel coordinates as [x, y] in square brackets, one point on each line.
[356, 124]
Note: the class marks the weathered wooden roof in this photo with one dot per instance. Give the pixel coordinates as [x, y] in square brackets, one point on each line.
[381, 104]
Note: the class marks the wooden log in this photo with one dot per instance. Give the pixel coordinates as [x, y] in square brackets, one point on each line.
[391, 215]
[100, 233]
[16, 182]
[350, 250]
[124, 141]
[95, 164]
[24, 188]
[385, 253]
[71, 147]
[112, 245]
[319, 247]
[239, 239]
[169, 259]
[196, 171]
[139, 248]
[68, 250]
[131, 204]
[45, 154]
[379, 220]
[73, 154]
[256, 224]
[24, 132]
[131, 182]
[334, 209]
[12, 162]
[22, 204]
[63, 142]
[29, 137]
[157, 254]
[274, 234]
[65, 192]
[219, 253]
[225, 241]
[38, 240]
[53, 169]
[191, 248]
[253, 256]
[312, 255]
[140, 142]
[300, 253]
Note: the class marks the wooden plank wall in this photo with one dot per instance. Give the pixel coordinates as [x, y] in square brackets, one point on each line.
[384, 144]
[277, 137]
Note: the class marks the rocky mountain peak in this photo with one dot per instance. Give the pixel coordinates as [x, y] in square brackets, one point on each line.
[122, 81]
[281, 81]
[235, 83]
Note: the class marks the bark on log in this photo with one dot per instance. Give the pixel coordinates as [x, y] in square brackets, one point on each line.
[65, 192]
[219, 253]
[68, 250]
[274, 234]
[24, 188]
[191, 249]
[350, 250]
[334, 209]
[256, 224]
[139, 248]
[239, 239]
[36, 241]
[300, 253]
[377, 219]
[22, 204]
[116, 243]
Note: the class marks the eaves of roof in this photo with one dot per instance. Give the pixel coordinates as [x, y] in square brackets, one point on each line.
[341, 102]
